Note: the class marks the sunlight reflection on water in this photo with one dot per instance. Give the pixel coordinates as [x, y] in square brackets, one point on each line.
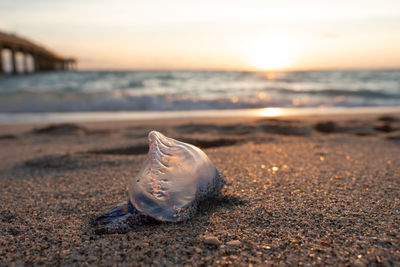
[271, 112]
[57, 117]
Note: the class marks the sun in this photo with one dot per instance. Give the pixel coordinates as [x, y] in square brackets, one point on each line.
[270, 53]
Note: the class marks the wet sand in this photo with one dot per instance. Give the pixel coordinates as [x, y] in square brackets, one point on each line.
[300, 191]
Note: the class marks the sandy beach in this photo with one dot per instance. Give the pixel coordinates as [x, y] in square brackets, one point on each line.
[310, 190]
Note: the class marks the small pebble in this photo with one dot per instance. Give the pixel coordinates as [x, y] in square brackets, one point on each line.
[359, 263]
[212, 240]
[234, 243]
[324, 243]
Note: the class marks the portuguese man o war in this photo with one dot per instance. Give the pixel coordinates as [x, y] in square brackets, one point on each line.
[174, 178]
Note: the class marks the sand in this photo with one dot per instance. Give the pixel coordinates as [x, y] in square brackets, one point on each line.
[300, 191]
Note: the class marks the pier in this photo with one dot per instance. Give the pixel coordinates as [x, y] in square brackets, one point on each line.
[34, 57]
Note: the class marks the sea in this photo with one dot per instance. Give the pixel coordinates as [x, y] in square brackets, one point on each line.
[38, 96]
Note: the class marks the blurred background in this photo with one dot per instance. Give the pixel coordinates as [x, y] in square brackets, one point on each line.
[117, 56]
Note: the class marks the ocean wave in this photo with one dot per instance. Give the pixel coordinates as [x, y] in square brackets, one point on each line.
[341, 92]
[122, 100]
[158, 91]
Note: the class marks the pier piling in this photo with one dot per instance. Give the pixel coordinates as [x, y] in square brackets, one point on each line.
[43, 59]
[1, 61]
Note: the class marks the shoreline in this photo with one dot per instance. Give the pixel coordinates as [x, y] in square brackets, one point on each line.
[270, 112]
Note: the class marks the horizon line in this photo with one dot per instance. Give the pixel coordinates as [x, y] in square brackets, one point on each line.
[239, 70]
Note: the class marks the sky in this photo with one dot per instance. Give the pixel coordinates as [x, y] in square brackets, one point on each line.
[212, 34]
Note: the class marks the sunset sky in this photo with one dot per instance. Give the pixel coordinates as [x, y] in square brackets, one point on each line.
[223, 35]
